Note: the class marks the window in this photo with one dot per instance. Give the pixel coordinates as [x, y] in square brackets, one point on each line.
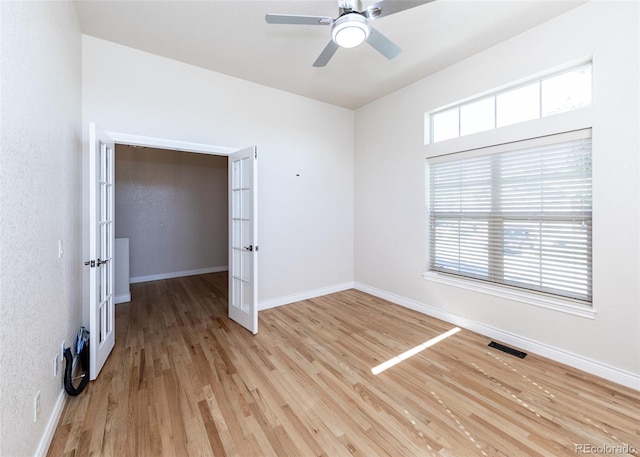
[542, 97]
[518, 105]
[446, 124]
[477, 116]
[517, 214]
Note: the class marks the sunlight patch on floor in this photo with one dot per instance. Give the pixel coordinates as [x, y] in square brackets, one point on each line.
[413, 351]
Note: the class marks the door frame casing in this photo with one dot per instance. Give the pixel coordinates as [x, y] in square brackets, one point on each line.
[165, 143]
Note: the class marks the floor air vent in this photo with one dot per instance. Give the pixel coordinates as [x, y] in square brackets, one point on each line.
[508, 350]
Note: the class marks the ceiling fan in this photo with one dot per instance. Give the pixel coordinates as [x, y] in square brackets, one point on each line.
[352, 26]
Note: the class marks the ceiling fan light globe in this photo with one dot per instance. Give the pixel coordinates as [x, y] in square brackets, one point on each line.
[350, 37]
[350, 30]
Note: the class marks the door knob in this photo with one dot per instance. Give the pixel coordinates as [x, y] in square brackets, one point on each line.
[248, 248]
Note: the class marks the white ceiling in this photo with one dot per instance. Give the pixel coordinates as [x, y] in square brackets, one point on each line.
[232, 37]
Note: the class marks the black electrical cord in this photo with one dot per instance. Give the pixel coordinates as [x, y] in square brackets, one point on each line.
[68, 375]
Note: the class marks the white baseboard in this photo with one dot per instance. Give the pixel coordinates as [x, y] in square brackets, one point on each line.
[50, 428]
[626, 378]
[124, 298]
[177, 274]
[287, 299]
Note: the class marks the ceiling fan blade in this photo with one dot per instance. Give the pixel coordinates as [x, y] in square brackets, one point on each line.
[294, 19]
[388, 7]
[383, 45]
[326, 54]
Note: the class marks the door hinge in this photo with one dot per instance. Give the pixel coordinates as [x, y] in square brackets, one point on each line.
[255, 153]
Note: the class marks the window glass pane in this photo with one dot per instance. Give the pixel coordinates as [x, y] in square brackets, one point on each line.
[478, 116]
[566, 92]
[465, 186]
[521, 253]
[518, 105]
[445, 125]
[460, 246]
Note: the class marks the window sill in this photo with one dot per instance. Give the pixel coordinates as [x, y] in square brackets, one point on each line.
[530, 298]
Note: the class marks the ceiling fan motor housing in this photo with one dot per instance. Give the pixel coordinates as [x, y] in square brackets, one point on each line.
[350, 30]
[355, 5]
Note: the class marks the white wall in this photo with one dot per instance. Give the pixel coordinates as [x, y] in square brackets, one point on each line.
[173, 208]
[305, 221]
[40, 114]
[389, 195]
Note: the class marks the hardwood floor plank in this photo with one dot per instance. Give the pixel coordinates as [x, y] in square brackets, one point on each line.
[215, 441]
[184, 380]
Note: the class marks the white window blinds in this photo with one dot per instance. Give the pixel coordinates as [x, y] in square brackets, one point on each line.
[517, 214]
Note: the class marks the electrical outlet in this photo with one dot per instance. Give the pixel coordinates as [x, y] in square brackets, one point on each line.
[62, 347]
[36, 407]
[55, 365]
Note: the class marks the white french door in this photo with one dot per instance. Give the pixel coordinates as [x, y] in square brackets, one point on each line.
[101, 246]
[243, 238]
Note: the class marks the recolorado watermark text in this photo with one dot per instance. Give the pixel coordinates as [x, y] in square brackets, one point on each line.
[605, 449]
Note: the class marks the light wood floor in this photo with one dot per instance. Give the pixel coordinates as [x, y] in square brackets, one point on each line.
[184, 380]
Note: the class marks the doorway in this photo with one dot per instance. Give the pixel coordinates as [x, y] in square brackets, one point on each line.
[241, 185]
[172, 207]
[242, 218]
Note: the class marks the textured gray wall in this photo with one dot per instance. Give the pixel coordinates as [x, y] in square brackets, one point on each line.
[40, 189]
[173, 208]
